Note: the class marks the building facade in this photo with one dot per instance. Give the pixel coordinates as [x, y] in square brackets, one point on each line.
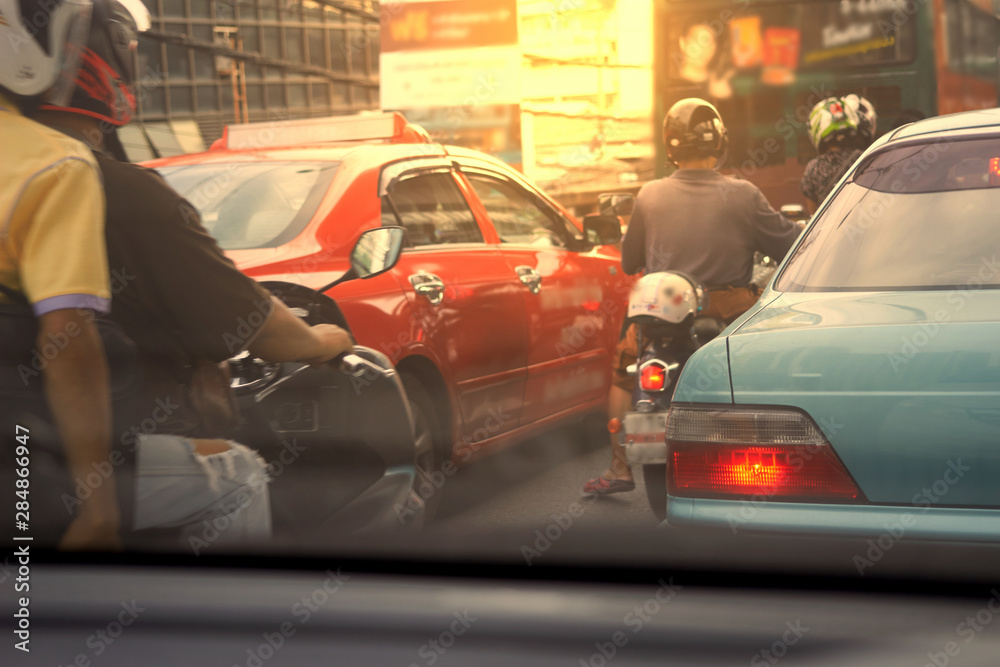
[209, 63]
[587, 95]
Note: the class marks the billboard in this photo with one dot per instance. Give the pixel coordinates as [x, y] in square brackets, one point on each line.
[454, 66]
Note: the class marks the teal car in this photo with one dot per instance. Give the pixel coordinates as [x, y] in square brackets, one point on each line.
[861, 395]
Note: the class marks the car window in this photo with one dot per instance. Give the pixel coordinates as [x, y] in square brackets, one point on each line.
[915, 217]
[517, 217]
[433, 211]
[253, 205]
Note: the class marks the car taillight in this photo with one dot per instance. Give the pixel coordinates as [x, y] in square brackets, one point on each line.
[764, 453]
[653, 376]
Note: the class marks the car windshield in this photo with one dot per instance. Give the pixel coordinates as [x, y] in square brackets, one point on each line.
[917, 217]
[253, 205]
[348, 298]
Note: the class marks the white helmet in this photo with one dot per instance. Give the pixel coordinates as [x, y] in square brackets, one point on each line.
[667, 296]
[40, 46]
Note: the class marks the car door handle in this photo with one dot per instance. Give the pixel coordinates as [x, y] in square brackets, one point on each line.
[429, 286]
[531, 278]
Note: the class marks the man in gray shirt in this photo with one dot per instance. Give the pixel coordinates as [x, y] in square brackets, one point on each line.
[704, 224]
[699, 222]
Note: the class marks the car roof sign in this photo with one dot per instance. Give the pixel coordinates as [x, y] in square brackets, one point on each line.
[361, 127]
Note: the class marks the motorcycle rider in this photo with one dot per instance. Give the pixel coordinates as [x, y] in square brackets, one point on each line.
[698, 222]
[185, 306]
[840, 129]
[53, 280]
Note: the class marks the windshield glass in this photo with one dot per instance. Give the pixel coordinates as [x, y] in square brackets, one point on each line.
[917, 217]
[353, 300]
[259, 205]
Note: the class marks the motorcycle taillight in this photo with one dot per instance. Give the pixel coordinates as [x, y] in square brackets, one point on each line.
[653, 376]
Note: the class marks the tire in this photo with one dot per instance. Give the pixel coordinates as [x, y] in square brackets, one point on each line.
[655, 477]
[430, 447]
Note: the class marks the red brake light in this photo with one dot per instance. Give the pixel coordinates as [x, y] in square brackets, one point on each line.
[653, 377]
[995, 171]
[763, 453]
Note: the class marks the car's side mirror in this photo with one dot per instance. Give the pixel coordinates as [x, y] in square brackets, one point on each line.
[616, 203]
[377, 251]
[602, 229]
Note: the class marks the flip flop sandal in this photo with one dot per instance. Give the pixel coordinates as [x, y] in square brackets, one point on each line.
[602, 486]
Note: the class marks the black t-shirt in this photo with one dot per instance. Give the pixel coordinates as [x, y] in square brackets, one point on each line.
[174, 293]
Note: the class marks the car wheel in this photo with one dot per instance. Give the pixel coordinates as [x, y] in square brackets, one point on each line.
[655, 477]
[429, 483]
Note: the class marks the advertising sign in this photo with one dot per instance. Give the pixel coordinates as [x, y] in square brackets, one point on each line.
[450, 53]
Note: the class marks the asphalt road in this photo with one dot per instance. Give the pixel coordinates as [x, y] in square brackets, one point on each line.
[524, 486]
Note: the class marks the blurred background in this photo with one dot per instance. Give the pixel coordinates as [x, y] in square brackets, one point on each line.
[569, 91]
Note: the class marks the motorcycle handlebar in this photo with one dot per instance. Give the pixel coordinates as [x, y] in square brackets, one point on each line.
[351, 364]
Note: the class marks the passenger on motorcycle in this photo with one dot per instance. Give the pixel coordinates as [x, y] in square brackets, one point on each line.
[186, 307]
[54, 395]
[840, 129]
[698, 222]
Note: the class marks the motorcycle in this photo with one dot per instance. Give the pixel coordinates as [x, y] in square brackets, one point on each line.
[665, 307]
[667, 334]
[339, 439]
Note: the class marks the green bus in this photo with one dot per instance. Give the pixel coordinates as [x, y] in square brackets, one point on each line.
[765, 63]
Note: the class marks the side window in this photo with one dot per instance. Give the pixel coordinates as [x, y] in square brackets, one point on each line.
[518, 218]
[433, 211]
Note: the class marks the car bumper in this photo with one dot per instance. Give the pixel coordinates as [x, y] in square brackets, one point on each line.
[887, 524]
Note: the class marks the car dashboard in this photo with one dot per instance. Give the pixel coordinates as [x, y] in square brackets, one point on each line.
[358, 611]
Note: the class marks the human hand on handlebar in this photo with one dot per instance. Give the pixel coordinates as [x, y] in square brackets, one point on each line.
[286, 337]
[333, 340]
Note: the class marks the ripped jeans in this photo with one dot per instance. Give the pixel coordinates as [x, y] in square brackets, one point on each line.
[220, 498]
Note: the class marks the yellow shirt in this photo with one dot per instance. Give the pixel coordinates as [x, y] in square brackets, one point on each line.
[52, 246]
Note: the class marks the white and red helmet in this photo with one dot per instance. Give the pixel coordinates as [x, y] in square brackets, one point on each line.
[668, 296]
[40, 47]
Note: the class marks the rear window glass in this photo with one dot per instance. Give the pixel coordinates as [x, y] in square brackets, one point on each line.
[933, 167]
[519, 219]
[918, 217]
[432, 210]
[253, 205]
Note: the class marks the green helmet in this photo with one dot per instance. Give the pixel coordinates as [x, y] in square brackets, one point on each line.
[832, 122]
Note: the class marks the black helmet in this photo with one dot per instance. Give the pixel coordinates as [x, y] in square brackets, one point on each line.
[693, 129]
[105, 84]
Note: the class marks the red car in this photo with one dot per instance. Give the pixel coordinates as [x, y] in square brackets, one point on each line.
[502, 313]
